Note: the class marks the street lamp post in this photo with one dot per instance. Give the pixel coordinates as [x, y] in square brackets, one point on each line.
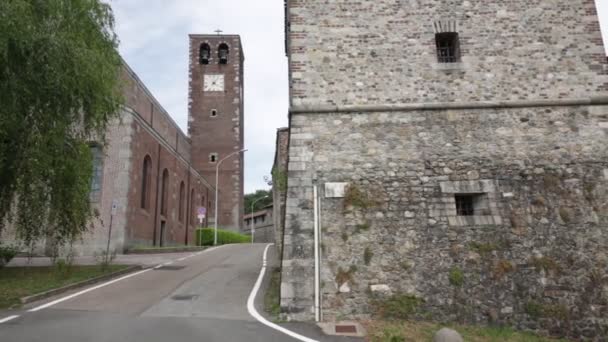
[252, 219]
[217, 171]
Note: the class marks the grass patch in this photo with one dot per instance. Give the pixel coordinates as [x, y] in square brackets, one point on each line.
[545, 263]
[484, 249]
[397, 307]
[206, 236]
[382, 331]
[501, 268]
[357, 198]
[345, 276]
[272, 298]
[537, 310]
[17, 282]
[362, 227]
[456, 277]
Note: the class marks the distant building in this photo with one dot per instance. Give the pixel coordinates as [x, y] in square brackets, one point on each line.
[262, 223]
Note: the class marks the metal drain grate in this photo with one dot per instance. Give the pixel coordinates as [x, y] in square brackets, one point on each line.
[184, 297]
[346, 329]
[170, 268]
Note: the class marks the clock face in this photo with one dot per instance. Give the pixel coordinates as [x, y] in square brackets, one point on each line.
[213, 83]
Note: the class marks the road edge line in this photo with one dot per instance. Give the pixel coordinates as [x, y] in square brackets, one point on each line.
[255, 314]
[9, 318]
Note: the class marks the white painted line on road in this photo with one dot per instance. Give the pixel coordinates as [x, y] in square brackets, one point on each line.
[44, 306]
[253, 312]
[9, 318]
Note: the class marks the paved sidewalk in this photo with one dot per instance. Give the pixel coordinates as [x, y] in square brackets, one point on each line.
[126, 259]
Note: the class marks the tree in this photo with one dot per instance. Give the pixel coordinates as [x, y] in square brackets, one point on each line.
[59, 87]
[259, 205]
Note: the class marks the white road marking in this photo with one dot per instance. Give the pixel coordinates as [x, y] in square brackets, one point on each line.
[9, 318]
[253, 312]
[60, 300]
[44, 306]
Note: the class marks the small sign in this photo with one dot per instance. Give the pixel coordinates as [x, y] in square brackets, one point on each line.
[202, 212]
[114, 207]
[335, 190]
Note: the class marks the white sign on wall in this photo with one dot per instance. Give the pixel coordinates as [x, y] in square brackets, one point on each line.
[335, 190]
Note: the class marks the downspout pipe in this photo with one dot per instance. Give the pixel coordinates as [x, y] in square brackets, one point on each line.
[316, 252]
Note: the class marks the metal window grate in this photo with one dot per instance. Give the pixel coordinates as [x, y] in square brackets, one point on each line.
[465, 205]
[346, 329]
[448, 47]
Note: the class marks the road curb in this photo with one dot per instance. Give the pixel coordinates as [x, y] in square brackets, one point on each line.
[53, 292]
[165, 250]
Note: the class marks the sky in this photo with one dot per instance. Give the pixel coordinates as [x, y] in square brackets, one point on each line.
[154, 42]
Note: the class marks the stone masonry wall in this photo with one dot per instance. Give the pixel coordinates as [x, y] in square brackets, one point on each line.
[538, 256]
[383, 52]
[279, 186]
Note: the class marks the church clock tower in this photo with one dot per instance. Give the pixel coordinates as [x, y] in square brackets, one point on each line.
[215, 120]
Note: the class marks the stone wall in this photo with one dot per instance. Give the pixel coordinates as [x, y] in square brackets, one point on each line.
[370, 52]
[536, 256]
[513, 133]
[279, 186]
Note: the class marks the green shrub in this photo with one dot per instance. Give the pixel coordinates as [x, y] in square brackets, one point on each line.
[456, 277]
[7, 253]
[397, 307]
[357, 198]
[204, 237]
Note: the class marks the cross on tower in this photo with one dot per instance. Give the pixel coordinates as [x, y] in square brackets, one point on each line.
[218, 31]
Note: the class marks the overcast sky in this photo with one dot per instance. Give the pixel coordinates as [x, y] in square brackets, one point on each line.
[154, 41]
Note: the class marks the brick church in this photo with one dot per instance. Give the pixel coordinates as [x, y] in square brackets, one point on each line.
[151, 178]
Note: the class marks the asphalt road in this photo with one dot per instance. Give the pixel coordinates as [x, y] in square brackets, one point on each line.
[202, 298]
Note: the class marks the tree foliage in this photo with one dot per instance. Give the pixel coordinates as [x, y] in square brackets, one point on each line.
[259, 205]
[59, 87]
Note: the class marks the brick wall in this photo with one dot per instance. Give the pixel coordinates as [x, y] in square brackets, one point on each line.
[224, 133]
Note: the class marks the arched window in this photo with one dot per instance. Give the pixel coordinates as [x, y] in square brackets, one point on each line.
[146, 176]
[182, 199]
[204, 53]
[222, 53]
[97, 152]
[163, 194]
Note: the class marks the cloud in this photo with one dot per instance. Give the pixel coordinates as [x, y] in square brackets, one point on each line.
[154, 41]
